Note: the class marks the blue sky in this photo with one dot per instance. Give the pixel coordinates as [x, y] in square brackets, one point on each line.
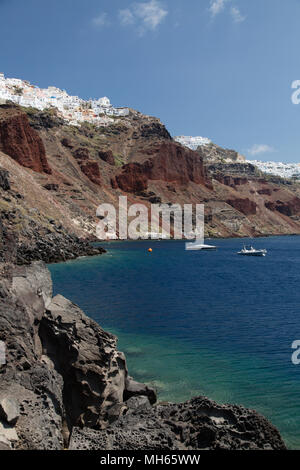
[222, 69]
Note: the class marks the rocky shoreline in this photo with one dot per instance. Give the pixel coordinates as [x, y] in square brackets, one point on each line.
[65, 385]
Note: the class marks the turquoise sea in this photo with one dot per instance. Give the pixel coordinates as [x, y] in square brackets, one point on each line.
[209, 323]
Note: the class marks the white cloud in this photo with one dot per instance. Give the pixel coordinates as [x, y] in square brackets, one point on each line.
[218, 6]
[150, 13]
[236, 15]
[257, 149]
[146, 15]
[101, 20]
[126, 16]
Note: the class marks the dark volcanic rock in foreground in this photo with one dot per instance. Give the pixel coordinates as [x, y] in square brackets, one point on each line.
[64, 377]
[53, 248]
[197, 424]
[62, 370]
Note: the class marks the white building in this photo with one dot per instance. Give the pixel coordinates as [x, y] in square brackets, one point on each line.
[285, 170]
[72, 109]
[192, 142]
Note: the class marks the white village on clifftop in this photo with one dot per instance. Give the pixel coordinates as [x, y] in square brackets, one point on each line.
[72, 109]
[284, 170]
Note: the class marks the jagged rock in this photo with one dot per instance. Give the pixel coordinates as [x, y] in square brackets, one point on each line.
[87, 355]
[288, 208]
[218, 170]
[134, 389]
[67, 143]
[245, 206]
[171, 163]
[155, 129]
[46, 119]
[212, 153]
[137, 402]
[21, 142]
[195, 425]
[132, 179]
[9, 410]
[81, 154]
[25, 378]
[54, 247]
[61, 367]
[229, 180]
[91, 170]
[107, 156]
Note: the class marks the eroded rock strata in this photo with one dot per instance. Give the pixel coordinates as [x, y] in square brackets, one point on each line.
[65, 385]
[21, 142]
[60, 174]
[27, 234]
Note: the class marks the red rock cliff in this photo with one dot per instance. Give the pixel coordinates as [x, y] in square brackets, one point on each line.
[289, 208]
[22, 143]
[91, 170]
[171, 163]
[245, 206]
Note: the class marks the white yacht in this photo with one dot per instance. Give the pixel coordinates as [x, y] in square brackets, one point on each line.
[199, 246]
[250, 251]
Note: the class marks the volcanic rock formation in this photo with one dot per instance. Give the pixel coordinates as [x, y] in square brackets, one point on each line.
[65, 385]
[21, 142]
[62, 370]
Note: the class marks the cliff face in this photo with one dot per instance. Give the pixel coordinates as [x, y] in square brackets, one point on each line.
[245, 206]
[136, 157]
[171, 163]
[213, 154]
[27, 232]
[65, 385]
[288, 208]
[91, 170]
[21, 142]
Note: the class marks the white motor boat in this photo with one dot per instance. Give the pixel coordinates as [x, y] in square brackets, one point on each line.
[199, 246]
[250, 251]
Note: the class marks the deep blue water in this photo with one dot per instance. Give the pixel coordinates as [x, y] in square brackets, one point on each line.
[211, 323]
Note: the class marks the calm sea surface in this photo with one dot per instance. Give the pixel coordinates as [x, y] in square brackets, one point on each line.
[192, 323]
